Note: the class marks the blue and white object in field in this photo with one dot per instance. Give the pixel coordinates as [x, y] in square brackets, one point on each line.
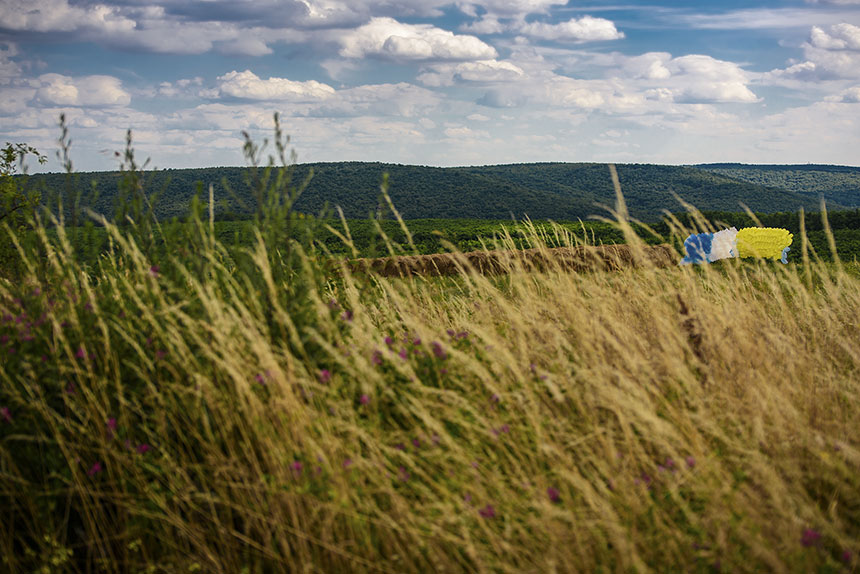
[710, 247]
[761, 242]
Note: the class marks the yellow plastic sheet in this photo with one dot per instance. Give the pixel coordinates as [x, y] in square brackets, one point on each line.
[765, 242]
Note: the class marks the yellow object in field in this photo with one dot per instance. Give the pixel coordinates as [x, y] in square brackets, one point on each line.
[766, 242]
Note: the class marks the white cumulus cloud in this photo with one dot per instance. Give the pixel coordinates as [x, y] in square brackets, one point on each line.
[830, 54]
[699, 78]
[487, 71]
[247, 85]
[60, 90]
[585, 29]
[388, 38]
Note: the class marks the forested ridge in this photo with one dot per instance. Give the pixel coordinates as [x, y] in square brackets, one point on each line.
[558, 191]
[838, 184]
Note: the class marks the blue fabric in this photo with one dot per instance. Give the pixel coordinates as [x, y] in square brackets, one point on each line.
[698, 247]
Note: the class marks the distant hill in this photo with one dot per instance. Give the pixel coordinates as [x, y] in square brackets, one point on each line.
[838, 184]
[559, 191]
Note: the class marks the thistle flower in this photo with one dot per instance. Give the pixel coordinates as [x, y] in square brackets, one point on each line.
[364, 399]
[296, 466]
[95, 469]
[81, 353]
[154, 270]
[488, 511]
[810, 537]
[324, 376]
[438, 350]
[554, 495]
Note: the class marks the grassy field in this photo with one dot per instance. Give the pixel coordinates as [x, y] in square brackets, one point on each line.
[216, 410]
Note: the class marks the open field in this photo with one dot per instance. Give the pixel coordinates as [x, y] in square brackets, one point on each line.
[221, 412]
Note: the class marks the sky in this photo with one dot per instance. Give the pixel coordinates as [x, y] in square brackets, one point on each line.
[434, 82]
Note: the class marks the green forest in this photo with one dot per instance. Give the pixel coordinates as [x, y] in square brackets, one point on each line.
[557, 191]
[838, 184]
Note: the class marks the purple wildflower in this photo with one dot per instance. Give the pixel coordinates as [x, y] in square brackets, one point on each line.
[324, 376]
[691, 462]
[95, 469]
[296, 466]
[143, 448]
[364, 399]
[160, 354]
[111, 427]
[416, 443]
[260, 378]
[81, 353]
[400, 446]
[347, 463]
[451, 333]
[554, 494]
[438, 350]
[388, 340]
[488, 511]
[154, 270]
[376, 358]
[416, 341]
[5, 414]
[462, 334]
[810, 537]
[847, 556]
[403, 474]
[468, 498]
[403, 354]
[347, 315]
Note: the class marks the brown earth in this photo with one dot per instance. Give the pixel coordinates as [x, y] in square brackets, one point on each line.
[580, 258]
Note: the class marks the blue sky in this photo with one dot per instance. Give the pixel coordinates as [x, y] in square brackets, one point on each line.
[434, 82]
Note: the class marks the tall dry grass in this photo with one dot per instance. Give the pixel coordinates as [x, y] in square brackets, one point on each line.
[190, 417]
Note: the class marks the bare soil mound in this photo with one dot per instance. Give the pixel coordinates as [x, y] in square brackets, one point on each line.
[580, 258]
